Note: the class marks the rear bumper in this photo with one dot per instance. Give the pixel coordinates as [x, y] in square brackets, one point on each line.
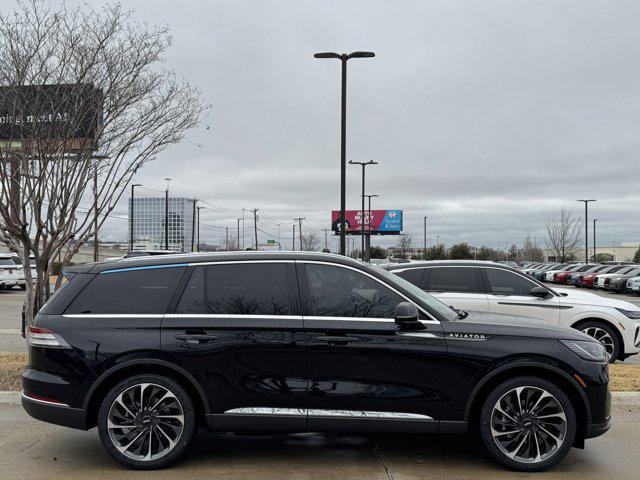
[55, 413]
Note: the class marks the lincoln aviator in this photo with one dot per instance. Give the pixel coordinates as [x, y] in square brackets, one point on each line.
[149, 349]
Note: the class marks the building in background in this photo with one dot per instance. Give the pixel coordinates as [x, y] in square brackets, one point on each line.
[149, 223]
[618, 252]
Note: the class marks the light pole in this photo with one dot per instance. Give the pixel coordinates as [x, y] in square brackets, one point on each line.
[198, 234]
[344, 57]
[133, 186]
[364, 165]
[594, 238]
[424, 251]
[238, 244]
[586, 229]
[368, 244]
[166, 215]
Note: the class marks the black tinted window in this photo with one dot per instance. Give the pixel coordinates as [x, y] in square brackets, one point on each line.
[341, 292]
[453, 279]
[503, 282]
[413, 275]
[192, 300]
[250, 289]
[137, 291]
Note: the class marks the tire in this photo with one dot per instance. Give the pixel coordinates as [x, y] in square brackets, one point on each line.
[522, 448]
[169, 440]
[610, 341]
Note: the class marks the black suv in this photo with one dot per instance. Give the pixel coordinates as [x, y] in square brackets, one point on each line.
[147, 349]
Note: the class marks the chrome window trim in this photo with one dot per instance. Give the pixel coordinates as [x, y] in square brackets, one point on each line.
[113, 315]
[233, 262]
[233, 315]
[348, 267]
[316, 412]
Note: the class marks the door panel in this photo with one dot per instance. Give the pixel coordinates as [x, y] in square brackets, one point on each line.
[237, 329]
[508, 293]
[359, 362]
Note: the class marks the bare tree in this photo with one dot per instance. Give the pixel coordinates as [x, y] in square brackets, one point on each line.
[84, 103]
[563, 235]
[310, 241]
[404, 244]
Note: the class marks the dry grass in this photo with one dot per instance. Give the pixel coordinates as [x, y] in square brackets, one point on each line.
[11, 367]
[623, 378]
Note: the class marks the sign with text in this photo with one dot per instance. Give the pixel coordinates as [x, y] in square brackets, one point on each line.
[382, 222]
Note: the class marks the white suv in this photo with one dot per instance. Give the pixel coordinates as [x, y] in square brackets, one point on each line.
[496, 288]
[10, 273]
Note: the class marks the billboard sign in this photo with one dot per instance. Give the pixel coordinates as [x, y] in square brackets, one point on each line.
[54, 111]
[382, 222]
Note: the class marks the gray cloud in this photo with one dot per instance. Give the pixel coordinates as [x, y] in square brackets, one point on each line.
[488, 117]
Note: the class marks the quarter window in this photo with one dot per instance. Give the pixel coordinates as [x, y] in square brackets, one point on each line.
[453, 279]
[247, 289]
[342, 292]
[132, 292]
[503, 282]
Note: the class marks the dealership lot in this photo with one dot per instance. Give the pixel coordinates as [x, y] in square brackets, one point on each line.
[36, 450]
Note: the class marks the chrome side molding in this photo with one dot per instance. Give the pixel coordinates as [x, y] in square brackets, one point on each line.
[314, 412]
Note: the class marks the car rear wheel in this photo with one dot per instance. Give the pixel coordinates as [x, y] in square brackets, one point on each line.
[146, 422]
[605, 335]
[528, 424]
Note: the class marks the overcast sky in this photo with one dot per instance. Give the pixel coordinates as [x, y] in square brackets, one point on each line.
[486, 116]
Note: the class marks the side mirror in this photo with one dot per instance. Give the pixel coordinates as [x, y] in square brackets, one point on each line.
[407, 315]
[539, 292]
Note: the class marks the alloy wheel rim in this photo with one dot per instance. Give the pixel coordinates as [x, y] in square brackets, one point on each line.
[528, 424]
[145, 422]
[603, 337]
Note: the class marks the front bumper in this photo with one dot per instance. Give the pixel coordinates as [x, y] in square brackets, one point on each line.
[58, 414]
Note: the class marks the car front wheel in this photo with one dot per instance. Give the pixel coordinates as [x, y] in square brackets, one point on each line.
[146, 422]
[528, 424]
[605, 335]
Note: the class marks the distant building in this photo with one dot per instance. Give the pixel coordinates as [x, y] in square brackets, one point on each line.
[623, 252]
[149, 223]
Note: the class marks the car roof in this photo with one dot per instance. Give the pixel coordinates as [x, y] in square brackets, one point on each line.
[205, 257]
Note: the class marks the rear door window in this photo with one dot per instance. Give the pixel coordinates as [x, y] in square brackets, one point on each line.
[145, 291]
[452, 279]
[504, 282]
[247, 289]
[192, 299]
[412, 275]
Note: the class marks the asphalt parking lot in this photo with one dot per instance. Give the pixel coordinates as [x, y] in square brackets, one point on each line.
[34, 450]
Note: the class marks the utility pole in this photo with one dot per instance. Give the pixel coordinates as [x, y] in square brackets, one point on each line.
[238, 219]
[343, 135]
[96, 257]
[586, 229]
[198, 242]
[131, 239]
[424, 251]
[227, 237]
[243, 244]
[193, 224]
[166, 215]
[255, 225]
[293, 237]
[362, 218]
[326, 240]
[299, 220]
[594, 238]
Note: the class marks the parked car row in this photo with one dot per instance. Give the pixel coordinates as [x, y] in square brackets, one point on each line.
[12, 272]
[620, 278]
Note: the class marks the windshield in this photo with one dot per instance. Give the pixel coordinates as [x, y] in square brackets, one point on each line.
[7, 261]
[429, 302]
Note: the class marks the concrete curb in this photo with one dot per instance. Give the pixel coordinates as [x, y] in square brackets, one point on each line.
[621, 400]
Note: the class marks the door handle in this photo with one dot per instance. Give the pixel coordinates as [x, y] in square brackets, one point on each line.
[195, 338]
[336, 340]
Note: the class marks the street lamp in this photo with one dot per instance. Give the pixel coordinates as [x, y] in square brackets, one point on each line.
[166, 215]
[198, 245]
[424, 251]
[368, 244]
[133, 186]
[364, 165]
[344, 57]
[594, 238]
[586, 229]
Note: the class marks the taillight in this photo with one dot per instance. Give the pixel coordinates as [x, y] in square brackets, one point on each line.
[44, 337]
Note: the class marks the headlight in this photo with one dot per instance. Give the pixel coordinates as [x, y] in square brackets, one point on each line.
[635, 314]
[592, 351]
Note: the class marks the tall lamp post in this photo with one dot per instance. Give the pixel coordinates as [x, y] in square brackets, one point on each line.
[133, 186]
[166, 215]
[424, 251]
[198, 232]
[586, 229]
[368, 244]
[594, 238]
[364, 165]
[344, 57]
